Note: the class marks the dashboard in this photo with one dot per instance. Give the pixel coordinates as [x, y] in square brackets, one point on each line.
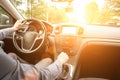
[67, 38]
[69, 29]
[64, 37]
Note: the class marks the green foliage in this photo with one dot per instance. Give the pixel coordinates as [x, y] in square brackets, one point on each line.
[37, 10]
[2, 11]
[91, 12]
[41, 10]
[47, 12]
[57, 15]
[33, 9]
[17, 2]
[110, 13]
[105, 15]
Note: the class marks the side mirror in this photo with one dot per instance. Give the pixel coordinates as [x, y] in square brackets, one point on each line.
[4, 19]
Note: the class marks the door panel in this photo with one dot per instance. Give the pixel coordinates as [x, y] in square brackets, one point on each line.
[100, 60]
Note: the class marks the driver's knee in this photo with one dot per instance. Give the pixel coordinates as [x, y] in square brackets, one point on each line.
[43, 63]
[13, 55]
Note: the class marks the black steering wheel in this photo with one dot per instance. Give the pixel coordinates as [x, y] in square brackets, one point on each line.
[30, 37]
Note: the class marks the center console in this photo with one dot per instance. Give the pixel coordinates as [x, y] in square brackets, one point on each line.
[68, 44]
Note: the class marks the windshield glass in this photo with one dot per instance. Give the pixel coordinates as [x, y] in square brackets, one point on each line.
[98, 12]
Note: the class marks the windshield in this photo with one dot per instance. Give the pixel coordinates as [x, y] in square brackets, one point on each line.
[98, 12]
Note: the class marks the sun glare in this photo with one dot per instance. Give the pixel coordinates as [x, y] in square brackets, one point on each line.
[100, 3]
[79, 7]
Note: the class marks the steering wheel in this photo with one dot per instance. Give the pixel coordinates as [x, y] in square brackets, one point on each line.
[30, 37]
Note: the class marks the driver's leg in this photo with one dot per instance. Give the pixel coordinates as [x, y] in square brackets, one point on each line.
[16, 57]
[43, 63]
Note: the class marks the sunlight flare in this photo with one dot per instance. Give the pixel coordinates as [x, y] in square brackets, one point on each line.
[79, 8]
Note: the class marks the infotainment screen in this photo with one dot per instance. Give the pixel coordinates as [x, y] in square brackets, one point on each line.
[69, 30]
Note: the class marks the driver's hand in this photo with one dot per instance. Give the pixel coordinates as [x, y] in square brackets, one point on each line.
[18, 25]
[63, 57]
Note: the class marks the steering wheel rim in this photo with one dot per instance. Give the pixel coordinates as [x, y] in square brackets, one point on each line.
[38, 36]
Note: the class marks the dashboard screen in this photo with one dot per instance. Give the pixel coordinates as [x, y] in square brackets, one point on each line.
[69, 30]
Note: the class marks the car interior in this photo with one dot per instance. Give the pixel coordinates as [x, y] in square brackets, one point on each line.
[94, 53]
[99, 59]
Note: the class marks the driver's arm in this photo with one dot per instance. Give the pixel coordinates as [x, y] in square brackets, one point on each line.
[53, 71]
[7, 31]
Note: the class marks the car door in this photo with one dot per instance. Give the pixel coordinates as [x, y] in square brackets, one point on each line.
[99, 60]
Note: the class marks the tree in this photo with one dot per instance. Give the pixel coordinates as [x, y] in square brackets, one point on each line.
[57, 15]
[36, 9]
[110, 12]
[114, 6]
[2, 11]
[105, 15]
[91, 12]
[17, 2]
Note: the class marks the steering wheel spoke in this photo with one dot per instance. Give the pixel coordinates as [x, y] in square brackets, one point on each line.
[40, 36]
[18, 36]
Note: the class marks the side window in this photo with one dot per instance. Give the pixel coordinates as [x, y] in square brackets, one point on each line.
[4, 17]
